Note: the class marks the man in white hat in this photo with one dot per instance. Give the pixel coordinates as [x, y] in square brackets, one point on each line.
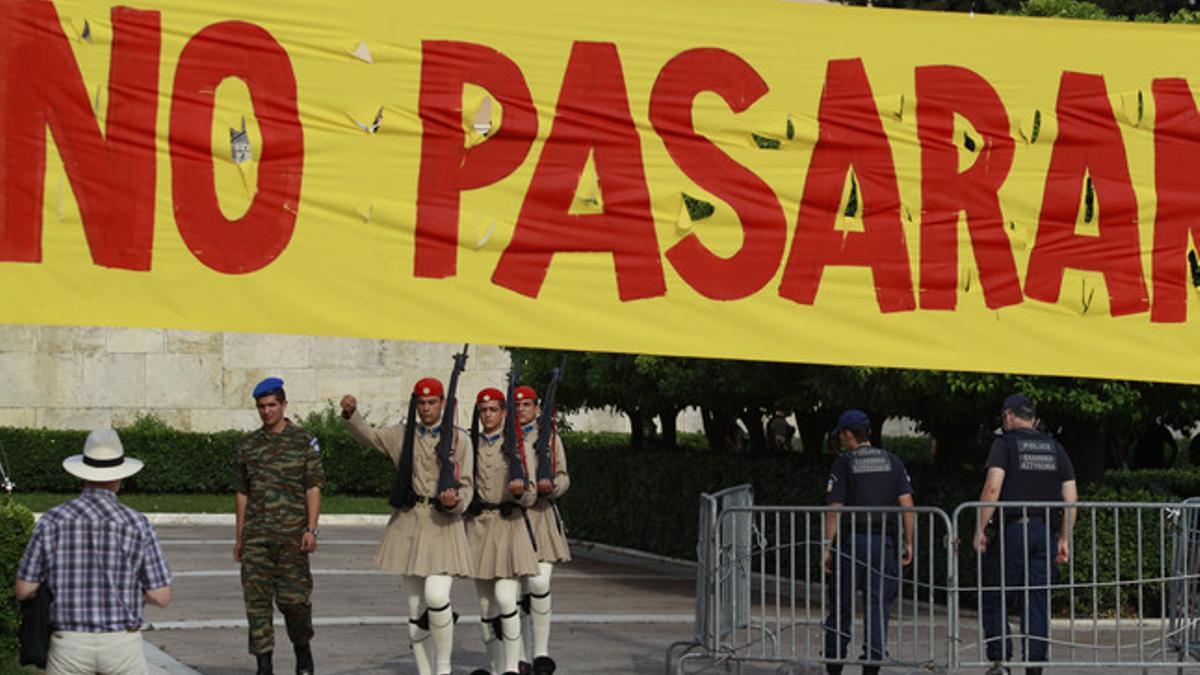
[101, 560]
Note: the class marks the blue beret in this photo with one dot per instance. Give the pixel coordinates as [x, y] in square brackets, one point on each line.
[267, 386]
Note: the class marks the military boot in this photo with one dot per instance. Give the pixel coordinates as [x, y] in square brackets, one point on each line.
[264, 664]
[870, 670]
[304, 662]
[543, 665]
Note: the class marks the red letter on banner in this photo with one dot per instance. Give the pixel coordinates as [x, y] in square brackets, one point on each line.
[851, 135]
[592, 116]
[246, 51]
[1177, 183]
[447, 167]
[941, 92]
[763, 222]
[1088, 143]
[112, 175]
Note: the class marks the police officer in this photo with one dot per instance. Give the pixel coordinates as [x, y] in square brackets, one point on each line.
[278, 500]
[1024, 465]
[864, 543]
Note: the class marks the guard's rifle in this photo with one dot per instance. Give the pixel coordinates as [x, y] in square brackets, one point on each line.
[546, 425]
[511, 447]
[447, 480]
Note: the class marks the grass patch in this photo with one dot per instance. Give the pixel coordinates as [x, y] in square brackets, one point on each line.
[169, 503]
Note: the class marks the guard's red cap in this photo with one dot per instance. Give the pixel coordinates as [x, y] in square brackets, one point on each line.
[524, 393]
[428, 386]
[490, 394]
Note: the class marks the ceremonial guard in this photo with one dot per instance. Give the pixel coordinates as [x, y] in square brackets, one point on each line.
[498, 529]
[552, 481]
[425, 540]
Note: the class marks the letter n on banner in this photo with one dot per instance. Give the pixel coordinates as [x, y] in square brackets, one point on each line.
[592, 116]
[1089, 143]
[1177, 183]
[851, 136]
[112, 174]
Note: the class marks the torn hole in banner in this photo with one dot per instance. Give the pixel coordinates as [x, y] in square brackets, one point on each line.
[588, 198]
[366, 213]
[765, 142]
[850, 208]
[1087, 295]
[484, 235]
[235, 142]
[362, 52]
[968, 141]
[1033, 128]
[1087, 219]
[481, 115]
[371, 127]
[1018, 237]
[692, 210]
[1133, 108]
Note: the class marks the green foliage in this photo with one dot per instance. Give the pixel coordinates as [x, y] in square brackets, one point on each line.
[1065, 9]
[1184, 15]
[16, 524]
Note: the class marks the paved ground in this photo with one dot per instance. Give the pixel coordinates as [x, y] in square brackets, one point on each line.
[610, 616]
[613, 613]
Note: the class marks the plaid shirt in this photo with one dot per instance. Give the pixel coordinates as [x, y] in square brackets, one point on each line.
[97, 556]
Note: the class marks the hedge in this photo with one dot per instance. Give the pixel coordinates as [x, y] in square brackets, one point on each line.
[16, 524]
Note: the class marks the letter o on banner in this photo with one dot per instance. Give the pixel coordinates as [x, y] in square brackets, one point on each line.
[246, 51]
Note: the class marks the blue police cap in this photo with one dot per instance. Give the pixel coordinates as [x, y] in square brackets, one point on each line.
[267, 386]
[851, 418]
[1019, 403]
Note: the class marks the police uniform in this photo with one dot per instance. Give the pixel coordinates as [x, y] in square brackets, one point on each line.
[1035, 468]
[865, 550]
[275, 471]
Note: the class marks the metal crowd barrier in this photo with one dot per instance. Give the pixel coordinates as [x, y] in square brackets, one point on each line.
[1184, 600]
[1128, 596]
[1109, 605]
[709, 541]
[766, 597]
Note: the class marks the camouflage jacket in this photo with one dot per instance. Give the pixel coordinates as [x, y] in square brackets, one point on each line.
[274, 471]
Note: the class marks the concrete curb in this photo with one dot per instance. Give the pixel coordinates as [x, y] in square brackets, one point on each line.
[159, 662]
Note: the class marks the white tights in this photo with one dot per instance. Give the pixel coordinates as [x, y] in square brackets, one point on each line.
[538, 629]
[430, 594]
[498, 599]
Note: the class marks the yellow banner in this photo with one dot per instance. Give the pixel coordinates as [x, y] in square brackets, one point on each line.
[761, 179]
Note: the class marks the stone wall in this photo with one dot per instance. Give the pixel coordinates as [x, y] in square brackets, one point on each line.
[84, 377]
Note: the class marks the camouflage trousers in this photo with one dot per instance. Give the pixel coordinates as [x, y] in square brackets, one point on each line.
[274, 569]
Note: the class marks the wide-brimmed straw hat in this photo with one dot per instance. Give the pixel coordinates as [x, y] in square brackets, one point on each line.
[103, 459]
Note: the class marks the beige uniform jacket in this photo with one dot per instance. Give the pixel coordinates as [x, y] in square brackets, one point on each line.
[548, 528]
[423, 541]
[502, 546]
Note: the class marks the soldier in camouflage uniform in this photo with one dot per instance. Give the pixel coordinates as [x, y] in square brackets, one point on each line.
[279, 479]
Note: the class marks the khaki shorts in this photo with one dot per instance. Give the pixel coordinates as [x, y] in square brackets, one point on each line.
[118, 653]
